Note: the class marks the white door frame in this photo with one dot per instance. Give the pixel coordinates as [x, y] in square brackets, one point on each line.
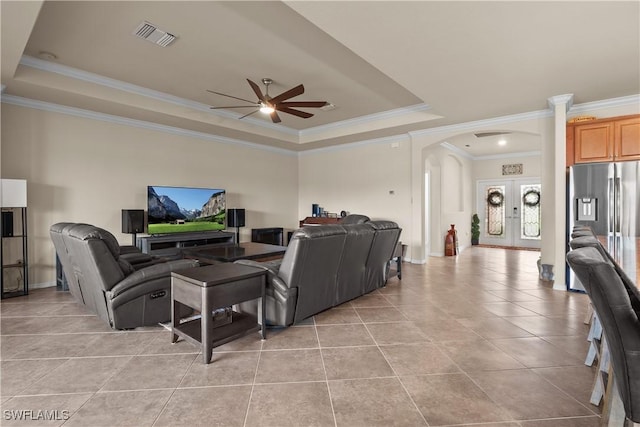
[513, 211]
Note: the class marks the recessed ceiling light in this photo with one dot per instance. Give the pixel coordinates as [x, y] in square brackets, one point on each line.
[502, 142]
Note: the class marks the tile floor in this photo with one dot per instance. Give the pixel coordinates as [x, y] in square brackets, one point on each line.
[468, 340]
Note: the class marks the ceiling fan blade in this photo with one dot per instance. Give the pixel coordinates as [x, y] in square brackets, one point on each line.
[234, 106]
[298, 113]
[257, 90]
[308, 104]
[298, 90]
[234, 97]
[253, 112]
[275, 118]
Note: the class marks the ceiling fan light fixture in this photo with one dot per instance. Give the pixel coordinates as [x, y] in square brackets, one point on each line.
[266, 108]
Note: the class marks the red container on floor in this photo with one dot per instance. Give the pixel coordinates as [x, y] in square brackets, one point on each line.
[451, 242]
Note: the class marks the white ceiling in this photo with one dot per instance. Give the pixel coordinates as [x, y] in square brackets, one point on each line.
[390, 67]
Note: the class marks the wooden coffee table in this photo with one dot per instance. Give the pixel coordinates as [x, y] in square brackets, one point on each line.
[228, 253]
[208, 288]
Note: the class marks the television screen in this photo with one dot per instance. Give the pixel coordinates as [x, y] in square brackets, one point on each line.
[182, 209]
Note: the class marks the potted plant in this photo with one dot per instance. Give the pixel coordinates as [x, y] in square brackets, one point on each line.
[475, 229]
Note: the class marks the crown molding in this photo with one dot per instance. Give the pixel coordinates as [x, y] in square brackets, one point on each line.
[303, 134]
[509, 155]
[119, 85]
[89, 77]
[375, 117]
[78, 112]
[475, 125]
[533, 115]
[466, 155]
[86, 76]
[457, 150]
[555, 101]
[622, 101]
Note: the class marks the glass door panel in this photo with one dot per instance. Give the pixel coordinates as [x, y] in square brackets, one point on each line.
[509, 212]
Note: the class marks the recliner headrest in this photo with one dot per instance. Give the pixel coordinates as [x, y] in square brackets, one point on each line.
[58, 227]
[584, 241]
[581, 233]
[91, 232]
[363, 228]
[354, 219]
[315, 231]
[383, 225]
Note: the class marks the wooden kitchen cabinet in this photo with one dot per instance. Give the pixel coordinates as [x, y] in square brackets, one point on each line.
[604, 140]
[626, 142]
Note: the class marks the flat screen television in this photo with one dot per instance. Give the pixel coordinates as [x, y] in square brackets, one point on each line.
[183, 209]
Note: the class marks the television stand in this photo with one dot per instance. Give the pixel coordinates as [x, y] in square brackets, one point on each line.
[168, 244]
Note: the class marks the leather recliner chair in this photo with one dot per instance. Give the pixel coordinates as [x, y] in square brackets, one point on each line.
[352, 271]
[305, 282]
[387, 234]
[620, 319]
[59, 245]
[109, 285]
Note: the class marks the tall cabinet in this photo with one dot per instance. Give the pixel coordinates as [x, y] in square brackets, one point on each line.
[14, 280]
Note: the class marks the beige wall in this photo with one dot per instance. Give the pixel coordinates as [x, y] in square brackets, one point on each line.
[492, 168]
[87, 170]
[359, 179]
[449, 200]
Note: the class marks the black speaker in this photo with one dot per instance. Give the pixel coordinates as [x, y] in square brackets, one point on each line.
[7, 224]
[235, 217]
[132, 221]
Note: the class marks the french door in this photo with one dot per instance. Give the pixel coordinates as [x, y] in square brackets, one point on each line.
[509, 212]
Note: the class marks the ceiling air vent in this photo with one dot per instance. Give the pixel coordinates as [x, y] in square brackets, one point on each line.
[151, 33]
[485, 134]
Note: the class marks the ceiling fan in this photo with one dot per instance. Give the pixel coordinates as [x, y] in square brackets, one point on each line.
[268, 105]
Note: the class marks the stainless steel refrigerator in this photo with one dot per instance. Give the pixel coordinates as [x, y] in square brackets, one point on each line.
[606, 197]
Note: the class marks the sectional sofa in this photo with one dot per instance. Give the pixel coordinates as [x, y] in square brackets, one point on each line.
[325, 266]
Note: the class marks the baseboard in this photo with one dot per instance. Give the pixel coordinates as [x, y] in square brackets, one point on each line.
[415, 261]
[42, 285]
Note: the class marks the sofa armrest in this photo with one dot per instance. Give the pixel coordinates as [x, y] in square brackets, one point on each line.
[136, 257]
[273, 280]
[128, 249]
[151, 273]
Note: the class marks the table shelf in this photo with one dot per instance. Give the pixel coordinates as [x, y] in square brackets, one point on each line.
[241, 324]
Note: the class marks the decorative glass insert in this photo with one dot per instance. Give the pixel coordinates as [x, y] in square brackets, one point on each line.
[495, 211]
[531, 214]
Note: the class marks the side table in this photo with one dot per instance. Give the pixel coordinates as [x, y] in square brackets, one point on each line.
[208, 288]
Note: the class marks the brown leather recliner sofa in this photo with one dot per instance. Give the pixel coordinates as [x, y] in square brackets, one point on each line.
[325, 266]
[125, 290]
